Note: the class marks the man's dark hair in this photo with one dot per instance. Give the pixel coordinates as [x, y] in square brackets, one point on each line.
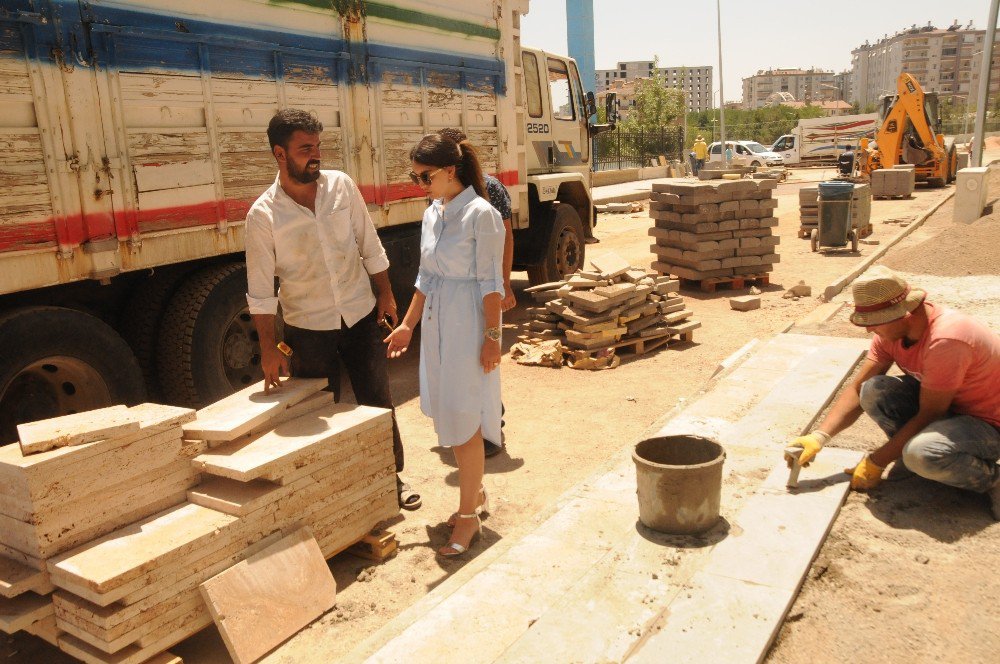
[454, 134]
[289, 120]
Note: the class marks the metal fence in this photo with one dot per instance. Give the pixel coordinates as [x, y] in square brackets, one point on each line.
[633, 149]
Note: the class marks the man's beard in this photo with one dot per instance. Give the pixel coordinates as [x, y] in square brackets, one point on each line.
[304, 175]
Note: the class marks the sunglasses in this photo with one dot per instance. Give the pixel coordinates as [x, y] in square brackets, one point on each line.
[424, 177]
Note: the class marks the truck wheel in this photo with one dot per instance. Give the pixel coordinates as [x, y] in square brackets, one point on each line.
[208, 347]
[565, 250]
[140, 322]
[952, 165]
[58, 361]
[935, 182]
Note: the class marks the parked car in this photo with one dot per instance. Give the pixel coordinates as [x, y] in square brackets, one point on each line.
[746, 153]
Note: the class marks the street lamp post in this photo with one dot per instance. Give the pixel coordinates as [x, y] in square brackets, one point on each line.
[722, 96]
[984, 86]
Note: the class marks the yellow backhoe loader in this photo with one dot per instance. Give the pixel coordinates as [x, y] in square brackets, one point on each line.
[909, 133]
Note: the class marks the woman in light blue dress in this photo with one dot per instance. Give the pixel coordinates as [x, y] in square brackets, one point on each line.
[457, 302]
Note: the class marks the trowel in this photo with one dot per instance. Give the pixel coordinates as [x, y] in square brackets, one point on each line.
[792, 457]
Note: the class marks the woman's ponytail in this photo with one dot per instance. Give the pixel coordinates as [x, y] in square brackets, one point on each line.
[470, 173]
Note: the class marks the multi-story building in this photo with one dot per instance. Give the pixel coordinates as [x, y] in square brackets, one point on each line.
[804, 85]
[696, 82]
[945, 61]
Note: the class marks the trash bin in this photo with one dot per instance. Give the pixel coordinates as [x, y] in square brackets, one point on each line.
[834, 228]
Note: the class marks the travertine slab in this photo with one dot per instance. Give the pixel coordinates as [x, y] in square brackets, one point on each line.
[232, 496]
[19, 612]
[127, 553]
[76, 429]
[322, 428]
[17, 578]
[238, 413]
[267, 598]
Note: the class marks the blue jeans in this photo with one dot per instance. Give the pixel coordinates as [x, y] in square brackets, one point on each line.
[959, 450]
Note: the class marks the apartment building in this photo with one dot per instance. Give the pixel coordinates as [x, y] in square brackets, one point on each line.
[696, 82]
[945, 61]
[804, 85]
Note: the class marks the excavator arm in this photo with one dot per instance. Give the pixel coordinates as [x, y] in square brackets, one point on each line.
[907, 110]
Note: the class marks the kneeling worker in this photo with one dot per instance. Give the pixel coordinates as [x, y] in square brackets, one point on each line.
[943, 415]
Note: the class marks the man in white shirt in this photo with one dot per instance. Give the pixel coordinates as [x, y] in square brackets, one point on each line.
[311, 230]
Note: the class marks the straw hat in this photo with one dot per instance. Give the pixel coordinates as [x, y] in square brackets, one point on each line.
[882, 296]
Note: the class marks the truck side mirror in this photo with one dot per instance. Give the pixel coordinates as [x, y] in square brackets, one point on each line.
[611, 108]
[591, 104]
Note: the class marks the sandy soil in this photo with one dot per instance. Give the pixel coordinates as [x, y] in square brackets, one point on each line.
[563, 425]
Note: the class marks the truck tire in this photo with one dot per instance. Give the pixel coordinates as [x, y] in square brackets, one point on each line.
[952, 165]
[935, 182]
[141, 319]
[208, 347]
[59, 361]
[565, 250]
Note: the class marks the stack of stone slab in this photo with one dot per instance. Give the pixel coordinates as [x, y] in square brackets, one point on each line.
[861, 210]
[254, 467]
[714, 229]
[612, 305]
[896, 182]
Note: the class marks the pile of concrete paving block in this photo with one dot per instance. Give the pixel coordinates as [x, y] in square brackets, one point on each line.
[611, 305]
[714, 229]
[861, 210]
[896, 182]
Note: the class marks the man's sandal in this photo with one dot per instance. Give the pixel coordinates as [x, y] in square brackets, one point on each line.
[454, 549]
[407, 497]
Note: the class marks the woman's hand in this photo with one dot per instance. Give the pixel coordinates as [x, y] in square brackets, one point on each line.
[398, 341]
[489, 356]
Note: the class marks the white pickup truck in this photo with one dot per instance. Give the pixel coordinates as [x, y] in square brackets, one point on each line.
[133, 143]
[822, 140]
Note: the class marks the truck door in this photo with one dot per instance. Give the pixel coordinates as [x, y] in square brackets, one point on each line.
[566, 148]
[785, 146]
[51, 165]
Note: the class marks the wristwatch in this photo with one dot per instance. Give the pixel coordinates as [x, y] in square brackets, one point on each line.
[492, 333]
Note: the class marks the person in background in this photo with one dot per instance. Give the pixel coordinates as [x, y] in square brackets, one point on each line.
[942, 416]
[457, 302]
[499, 198]
[700, 149]
[311, 230]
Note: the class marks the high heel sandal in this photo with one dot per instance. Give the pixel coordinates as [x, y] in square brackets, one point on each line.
[454, 549]
[482, 509]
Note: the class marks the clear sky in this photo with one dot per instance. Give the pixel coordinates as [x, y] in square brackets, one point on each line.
[759, 34]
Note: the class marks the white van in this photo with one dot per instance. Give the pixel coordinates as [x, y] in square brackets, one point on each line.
[746, 153]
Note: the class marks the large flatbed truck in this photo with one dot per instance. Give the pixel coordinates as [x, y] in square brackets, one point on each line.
[132, 143]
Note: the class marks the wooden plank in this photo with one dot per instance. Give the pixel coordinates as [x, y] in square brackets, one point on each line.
[127, 553]
[76, 429]
[259, 603]
[238, 413]
[19, 612]
[325, 427]
[17, 578]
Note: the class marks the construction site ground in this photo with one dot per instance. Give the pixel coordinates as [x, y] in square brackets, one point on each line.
[907, 572]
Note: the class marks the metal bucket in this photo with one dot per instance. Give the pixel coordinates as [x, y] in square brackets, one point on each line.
[679, 480]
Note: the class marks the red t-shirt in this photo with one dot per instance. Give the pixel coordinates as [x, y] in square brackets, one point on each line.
[955, 352]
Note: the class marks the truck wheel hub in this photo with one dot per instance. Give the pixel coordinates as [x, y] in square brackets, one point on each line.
[240, 353]
[567, 252]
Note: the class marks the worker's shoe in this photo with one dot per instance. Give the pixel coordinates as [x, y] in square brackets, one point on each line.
[994, 495]
[899, 472]
[491, 449]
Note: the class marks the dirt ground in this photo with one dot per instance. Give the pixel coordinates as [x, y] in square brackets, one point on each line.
[563, 425]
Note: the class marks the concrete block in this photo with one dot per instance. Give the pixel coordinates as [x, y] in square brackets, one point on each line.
[729, 225]
[730, 243]
[749, 242]
[893, 182]
[745, 303]
[971, 191]
[749, 223]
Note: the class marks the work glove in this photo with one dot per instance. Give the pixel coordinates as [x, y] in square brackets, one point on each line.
[811, 444]
[866, 475]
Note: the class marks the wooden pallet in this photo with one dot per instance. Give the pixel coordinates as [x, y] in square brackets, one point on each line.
[378, 545]
[643, 345]
[883, 197]
[736, 282]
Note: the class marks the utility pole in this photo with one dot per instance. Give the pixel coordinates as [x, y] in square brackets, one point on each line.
[722, 96]
[984, 86]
